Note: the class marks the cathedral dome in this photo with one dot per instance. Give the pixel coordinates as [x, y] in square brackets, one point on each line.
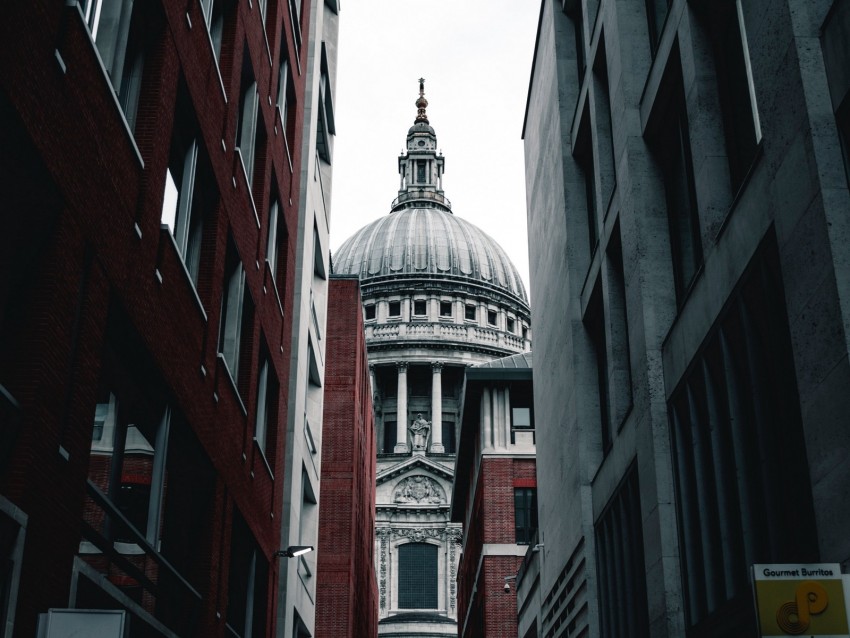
[434, 286]
[423, 242]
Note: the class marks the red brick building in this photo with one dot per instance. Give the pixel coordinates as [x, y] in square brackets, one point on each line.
[347, 594]
[150, 158]
[494, 494]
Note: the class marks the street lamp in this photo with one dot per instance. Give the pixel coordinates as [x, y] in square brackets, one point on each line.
[294, 550]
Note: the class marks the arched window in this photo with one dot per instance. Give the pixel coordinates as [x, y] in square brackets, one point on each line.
[417, 576]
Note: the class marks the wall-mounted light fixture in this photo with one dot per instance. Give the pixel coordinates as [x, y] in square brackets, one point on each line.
[294, 550]
[508, 584]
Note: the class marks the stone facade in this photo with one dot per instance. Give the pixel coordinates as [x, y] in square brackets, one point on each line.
[692, 236]
[438, 295]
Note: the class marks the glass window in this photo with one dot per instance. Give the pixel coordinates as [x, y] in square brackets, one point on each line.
[525, 514]
[419, 307]
[118, 30]
[511, 324]
[584, 158]
[266, 415]
[491, 317]
[620, 564]
[521, 417]
[445, 308]
[594, 322]
[122, 463]
[370, 311]
[573, 10]
[673, 150]
[276, 244]
[470, 312]
[389, 436]
[150, 488]
[448, 428]
[246, 124]
[247, 589]
[740, 468]
[395, 309]
[190, 192]
[286, 98]
[232, 302]
[725, 21]
[417, 576]
[325, 120]
[214, 17]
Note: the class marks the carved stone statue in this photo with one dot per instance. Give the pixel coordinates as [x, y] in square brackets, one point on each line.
[419, 431]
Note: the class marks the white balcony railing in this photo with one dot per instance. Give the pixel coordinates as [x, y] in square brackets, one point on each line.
[438, 331]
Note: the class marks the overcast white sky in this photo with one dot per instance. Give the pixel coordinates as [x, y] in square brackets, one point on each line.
[475, 56]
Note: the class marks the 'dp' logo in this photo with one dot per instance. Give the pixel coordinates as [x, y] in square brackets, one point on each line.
[795, 616]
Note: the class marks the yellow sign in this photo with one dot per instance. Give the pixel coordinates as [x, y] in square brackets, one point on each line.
[800, 600]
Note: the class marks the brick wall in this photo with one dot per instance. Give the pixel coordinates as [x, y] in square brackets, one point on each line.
[76, 193]
[347, 602]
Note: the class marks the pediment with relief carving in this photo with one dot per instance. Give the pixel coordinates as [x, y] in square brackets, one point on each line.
[420, 490]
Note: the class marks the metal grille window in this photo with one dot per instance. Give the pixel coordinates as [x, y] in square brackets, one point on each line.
[619, 559]
[417, 576]
[742, 487]
[525, 514]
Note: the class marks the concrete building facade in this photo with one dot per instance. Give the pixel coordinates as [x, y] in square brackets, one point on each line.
[438, 295]
[687, 205]
[307, 360]
[347, 592]
[494, 495]
[153, 168]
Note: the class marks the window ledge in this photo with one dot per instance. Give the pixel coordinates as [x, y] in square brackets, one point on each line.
[233, 387]
[248, 186]
[274, 287]
[265, 459]
[77, 8]
[164, 229]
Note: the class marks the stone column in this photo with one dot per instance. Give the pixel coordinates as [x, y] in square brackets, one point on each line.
[486, 421]
[401, 412]
[437, 408]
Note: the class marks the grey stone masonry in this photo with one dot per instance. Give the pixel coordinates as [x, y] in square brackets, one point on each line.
[689, 229]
